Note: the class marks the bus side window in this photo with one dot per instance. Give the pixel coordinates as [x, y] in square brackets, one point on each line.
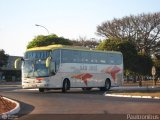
[65, 56]
[102, 58]
[56, 58]
[111, 58]
[76, 56]
[94, 57]
[53, 68]
[118, 59]
[85, 57]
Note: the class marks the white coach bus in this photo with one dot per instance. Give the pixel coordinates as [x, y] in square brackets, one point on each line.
[63, 67]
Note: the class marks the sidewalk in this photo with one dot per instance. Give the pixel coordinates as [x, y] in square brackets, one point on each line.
[10, 84]
[135, 92]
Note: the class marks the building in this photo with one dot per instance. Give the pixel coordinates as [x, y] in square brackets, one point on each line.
[8, 72]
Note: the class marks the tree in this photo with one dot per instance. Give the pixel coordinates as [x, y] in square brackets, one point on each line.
[143, 30]
[3, 58]
[109, 44]
[42, 40]
[143, 64]
[82, 41]
[157, 65]
[54, 39]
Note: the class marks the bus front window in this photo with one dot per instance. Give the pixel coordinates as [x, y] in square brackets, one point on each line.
[40, 69]
[35, 68]
[27, 68]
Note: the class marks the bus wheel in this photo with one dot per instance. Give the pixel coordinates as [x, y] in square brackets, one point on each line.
[41, 89]
[107, 84]
[66, 85]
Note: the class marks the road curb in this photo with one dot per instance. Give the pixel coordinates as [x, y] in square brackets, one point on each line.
[130, 96]
[13, 111]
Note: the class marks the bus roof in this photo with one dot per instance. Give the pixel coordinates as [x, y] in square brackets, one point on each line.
[50, 47]
[56, 46]
[59, 46]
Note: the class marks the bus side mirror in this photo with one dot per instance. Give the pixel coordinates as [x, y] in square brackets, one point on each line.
[48, 61]
[17, 62]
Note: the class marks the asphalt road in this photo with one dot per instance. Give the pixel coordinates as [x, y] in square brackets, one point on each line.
[77, 104]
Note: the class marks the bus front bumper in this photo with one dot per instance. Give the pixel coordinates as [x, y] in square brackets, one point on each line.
[35, 85]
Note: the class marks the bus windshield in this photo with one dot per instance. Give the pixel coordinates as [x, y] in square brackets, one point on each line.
[35, 68]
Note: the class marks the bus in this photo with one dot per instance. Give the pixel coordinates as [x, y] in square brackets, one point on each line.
[64, 67]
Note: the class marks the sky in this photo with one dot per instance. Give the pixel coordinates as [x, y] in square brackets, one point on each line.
[66, 18]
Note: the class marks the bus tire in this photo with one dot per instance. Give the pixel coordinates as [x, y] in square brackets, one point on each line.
[66, 85]
[41, 89]
[107, 85]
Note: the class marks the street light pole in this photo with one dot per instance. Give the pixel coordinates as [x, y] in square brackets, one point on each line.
[43, 27]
